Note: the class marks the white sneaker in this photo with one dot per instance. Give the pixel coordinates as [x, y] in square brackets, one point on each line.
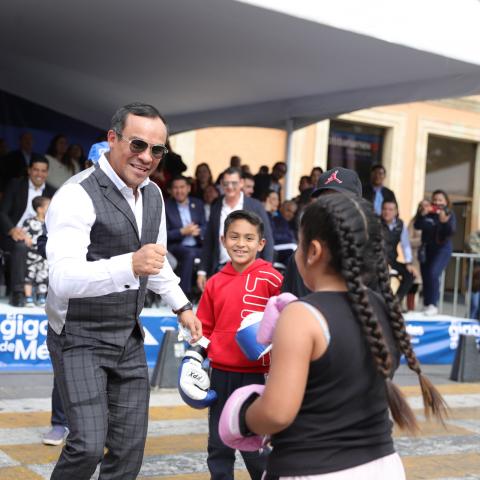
[56, 435]
[430, 310]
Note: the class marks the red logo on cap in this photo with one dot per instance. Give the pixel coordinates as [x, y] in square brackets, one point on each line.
[333, 178]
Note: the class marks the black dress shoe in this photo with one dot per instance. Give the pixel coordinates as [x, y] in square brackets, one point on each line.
[17, 300]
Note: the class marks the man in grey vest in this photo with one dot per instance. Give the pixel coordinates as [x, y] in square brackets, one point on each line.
[106, 245]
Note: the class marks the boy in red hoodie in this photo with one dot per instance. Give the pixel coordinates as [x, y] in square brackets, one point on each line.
[243, 286]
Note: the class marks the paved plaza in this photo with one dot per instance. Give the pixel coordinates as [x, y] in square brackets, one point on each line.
[177, 438]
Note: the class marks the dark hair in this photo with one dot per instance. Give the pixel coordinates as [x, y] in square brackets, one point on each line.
[71, 147]
[66, 159]
[179, 177]
[117, 123]
[232, 171]
[390, 201]
[247, 176]
[266, 194]
[444, 193]
[69, 162]
[250, 217]
[38, 202]
[52, 147]
[279, 164]
[316, 169]
[203, 165]
[289, 202]
[209, 187]
[353, 236]
[235, 159]
[378, 166]
[38, 159]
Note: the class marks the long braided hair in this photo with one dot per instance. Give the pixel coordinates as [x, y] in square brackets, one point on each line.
[353, 236]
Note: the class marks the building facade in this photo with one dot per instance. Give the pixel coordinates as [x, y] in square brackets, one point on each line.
[423, 146]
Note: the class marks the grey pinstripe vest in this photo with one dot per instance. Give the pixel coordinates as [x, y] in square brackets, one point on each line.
[111, 318]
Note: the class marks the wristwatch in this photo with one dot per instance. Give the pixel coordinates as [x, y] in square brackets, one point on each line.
[187, 306]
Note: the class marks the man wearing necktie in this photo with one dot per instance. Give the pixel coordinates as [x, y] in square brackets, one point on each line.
[376, 192]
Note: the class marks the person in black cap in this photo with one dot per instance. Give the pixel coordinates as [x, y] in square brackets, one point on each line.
[336, 179]
[339, 179]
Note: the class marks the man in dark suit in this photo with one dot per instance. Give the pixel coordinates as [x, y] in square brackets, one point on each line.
[376, 192]
[214, 255]
[270, 181]
[15, 164]
[15, 208]
[185, 229]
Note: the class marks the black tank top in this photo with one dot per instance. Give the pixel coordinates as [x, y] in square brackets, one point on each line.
[344, 418]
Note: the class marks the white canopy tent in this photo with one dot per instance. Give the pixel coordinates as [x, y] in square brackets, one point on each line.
[270, 63]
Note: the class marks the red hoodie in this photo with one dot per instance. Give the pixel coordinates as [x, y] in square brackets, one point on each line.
[229, 296]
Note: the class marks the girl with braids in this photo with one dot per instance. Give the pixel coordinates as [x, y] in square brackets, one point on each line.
[329, 394]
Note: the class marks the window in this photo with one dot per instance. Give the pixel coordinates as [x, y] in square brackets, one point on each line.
[355, 146]
[450, 166]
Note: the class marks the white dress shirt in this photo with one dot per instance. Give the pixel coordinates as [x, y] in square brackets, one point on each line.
[186, 218]
[33, 192]
[69, 220]
[404, 241]
[226, 210]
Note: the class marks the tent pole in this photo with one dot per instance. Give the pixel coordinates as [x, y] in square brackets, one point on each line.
[289, 160]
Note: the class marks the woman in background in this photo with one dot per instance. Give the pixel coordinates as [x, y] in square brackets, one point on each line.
[76, 156]
[61, 167]
[437, 223]
[203, 179]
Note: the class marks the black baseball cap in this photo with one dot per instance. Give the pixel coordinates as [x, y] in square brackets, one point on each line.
[339, 179]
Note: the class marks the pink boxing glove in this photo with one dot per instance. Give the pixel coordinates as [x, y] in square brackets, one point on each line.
[232, 428]
[274, 307]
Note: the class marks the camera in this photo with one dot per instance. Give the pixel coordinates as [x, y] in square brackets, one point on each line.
[437, 208]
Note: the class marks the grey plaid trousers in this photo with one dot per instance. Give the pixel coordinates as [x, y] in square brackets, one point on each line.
[105, 393]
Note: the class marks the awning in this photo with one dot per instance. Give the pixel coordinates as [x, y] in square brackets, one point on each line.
[223, 62]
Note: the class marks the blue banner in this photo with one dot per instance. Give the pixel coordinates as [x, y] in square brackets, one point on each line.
[435, 342]
[23, 335]
[23, 340]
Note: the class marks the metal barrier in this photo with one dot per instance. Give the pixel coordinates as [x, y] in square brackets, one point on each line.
[469, 258]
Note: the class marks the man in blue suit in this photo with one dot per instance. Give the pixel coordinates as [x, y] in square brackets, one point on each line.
[185, 229]
[214, 255]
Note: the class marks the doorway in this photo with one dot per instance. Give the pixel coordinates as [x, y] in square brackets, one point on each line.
[450, 167]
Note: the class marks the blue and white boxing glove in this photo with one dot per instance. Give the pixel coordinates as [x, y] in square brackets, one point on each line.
[193, 380]
[246, 337]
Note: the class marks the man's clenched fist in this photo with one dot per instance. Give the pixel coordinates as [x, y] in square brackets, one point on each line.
[148, 260]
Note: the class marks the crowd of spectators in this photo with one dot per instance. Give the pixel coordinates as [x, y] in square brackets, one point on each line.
[28, 180]
[18, 233]
[195, 208]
